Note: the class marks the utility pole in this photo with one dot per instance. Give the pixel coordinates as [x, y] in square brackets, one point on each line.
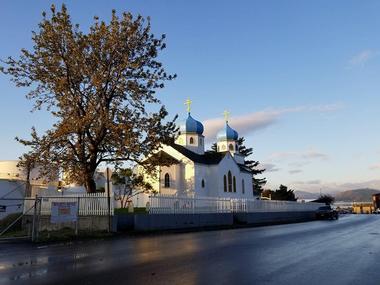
[108, 199]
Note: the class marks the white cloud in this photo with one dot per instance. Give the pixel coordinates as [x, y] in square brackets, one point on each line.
[363, 57]
[298, 164]
[304, 155]
[309, 182]
[374, 166]
[248, 123]
[295, 171]
[269, 167]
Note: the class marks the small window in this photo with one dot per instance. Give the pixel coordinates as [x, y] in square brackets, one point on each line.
[234, 184]
[201, 141]
[191, 140]
[225, 183]
[167, 180]
[203, 183]
[242, 186]
[231, 147]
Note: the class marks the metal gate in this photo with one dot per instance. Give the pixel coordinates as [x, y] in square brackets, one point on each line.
[13, 222]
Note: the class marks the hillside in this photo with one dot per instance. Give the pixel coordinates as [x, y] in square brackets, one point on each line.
[303, 195]
[357, 195]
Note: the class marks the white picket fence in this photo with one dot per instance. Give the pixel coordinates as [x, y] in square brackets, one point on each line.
[165, 204]
[253, 206]
[90, 204]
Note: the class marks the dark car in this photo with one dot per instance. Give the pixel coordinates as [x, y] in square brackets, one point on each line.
[326, 212]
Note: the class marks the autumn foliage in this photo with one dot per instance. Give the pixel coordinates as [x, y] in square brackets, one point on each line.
[100, 86]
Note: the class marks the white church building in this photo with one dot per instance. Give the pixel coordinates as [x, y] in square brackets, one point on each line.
[200, 173]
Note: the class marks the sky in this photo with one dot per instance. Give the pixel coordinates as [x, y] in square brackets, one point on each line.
[300, 78]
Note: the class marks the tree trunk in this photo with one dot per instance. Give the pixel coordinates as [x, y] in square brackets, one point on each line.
[90, 185]
[27, 183]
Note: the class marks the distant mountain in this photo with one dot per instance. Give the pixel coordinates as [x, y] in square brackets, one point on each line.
[303, 195]
[357, 195]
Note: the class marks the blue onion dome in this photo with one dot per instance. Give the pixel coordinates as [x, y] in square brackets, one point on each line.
[191, 126]
[227, 133]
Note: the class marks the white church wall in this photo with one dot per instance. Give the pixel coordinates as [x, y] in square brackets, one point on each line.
[181, 175]
[228, 164]
[201, 173]
[208, 173]
[248, 187]
[193, 142]
[172, 171]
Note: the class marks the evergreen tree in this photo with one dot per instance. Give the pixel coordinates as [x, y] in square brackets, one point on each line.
[283, 194]
[327, 199]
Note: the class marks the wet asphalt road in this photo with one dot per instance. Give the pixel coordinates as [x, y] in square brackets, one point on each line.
[346, 251]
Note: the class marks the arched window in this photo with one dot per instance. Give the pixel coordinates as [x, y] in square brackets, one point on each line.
[242, 186]
[167, 180]
[234, 184]
[231, 147]
[229, 181]
[191, 140]
[203, 183]
[225, 183]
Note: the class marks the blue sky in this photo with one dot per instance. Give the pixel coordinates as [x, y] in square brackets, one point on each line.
[300, 78]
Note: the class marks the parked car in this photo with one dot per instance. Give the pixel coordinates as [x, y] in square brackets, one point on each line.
[326, 212]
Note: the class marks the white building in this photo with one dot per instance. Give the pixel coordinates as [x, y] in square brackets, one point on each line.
[12, 187]
[199, 173]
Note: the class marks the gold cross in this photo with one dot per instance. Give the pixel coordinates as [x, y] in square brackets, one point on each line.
[188, 104]
[226, 115]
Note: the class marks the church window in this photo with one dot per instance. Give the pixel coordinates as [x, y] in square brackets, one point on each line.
[203, 183]
[191, 140]
[229, 181]
[242, 186]
[167, 180]
[225, 183]
[231, 146]
[201, 141]
[234, 184]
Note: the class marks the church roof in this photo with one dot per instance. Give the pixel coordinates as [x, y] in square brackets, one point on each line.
[227, 133]
[162, 158]
[209, 158]
[190, 125]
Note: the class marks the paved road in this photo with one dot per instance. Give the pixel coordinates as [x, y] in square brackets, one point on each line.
[321, 252]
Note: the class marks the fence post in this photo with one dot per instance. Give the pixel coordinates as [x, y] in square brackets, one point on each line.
[34, 219]
[77, 222]
[108, 200]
